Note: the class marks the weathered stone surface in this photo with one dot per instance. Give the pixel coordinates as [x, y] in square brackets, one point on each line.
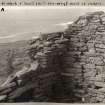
[70, 62]
[3, 97]
[21, 90]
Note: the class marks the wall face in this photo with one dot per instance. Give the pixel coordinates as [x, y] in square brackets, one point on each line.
[84, 67]
[40, 81]
[80, 59]
[49, 49]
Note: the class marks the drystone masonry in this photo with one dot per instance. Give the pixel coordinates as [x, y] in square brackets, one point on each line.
[41, 80]
[65, 66]
[84, 63]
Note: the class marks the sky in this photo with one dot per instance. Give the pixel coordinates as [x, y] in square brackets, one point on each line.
[22, 23]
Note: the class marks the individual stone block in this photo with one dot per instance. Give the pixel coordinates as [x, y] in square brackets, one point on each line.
[6, 91]
[90, 73]
[61, 41]
[9, 85]
[100, 50]
[101, 84]
[19, 91]
[95, 60]
[89, 66]
[3, 97]
[97, 78]
[102, 46]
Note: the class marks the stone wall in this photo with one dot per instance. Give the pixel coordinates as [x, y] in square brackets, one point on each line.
[41, 80]
[84, 63]
[66, 66]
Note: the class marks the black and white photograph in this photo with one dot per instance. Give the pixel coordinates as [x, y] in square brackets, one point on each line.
[52, 54]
